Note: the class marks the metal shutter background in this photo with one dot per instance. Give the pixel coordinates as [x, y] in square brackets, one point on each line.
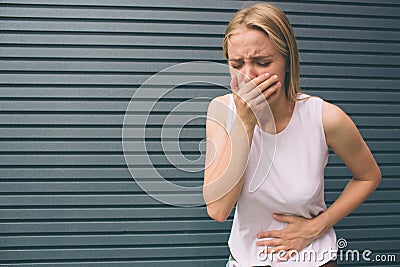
[68, 71]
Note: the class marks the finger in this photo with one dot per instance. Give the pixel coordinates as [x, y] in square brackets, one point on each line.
[259, 79]
[272, 233]
[272, 90]
[250, 92]
[268, 93]
[253, 89]
[268, 83]
[284, 218]
[239, 76]
[266, 88]
[246, 79]
[234, 83]
[270, 243]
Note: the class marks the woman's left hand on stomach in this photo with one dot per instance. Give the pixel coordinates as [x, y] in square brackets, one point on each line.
[298, 234]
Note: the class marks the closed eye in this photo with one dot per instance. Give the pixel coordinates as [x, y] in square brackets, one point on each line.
[236, 63]
[264, 64]
[236, 66]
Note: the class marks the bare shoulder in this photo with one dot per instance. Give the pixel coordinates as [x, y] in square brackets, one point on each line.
[332, 116]
[218, 108]
[337, 124]
[223, 99]
[343, 137]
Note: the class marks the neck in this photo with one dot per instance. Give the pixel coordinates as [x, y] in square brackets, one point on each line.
[282, 110]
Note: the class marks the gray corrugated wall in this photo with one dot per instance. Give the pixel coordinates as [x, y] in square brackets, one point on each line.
[68, 72]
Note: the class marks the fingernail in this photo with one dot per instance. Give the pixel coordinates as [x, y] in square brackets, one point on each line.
[275, 76]
[267, 75]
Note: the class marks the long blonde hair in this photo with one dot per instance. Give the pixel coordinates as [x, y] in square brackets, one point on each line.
[275, 24]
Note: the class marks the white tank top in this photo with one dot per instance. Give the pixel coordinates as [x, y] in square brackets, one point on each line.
[289, 181]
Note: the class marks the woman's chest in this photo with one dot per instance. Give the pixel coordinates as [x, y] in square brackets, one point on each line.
[292, 177]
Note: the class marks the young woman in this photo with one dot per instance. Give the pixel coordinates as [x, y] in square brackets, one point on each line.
[283, 214]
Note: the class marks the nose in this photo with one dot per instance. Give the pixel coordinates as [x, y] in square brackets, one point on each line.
[249, 71]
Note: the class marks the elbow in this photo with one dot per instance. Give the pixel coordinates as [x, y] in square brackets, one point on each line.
[378, 178]
[216, 208]
[216, 213]
[375, 178]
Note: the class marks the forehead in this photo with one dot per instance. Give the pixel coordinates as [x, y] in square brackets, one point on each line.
[249, 43]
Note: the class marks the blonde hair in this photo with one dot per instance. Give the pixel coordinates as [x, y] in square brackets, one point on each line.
[275, 24]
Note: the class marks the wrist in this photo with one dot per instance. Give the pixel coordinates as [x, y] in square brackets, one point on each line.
[320, 224]
[249, 127]
[249, 131]
[248, 124]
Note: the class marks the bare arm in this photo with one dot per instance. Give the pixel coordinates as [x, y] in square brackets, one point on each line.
[227, 154]
[345, 140]
[226, 159]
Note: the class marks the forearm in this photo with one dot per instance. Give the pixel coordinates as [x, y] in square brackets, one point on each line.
[355, 193]
[224, 178]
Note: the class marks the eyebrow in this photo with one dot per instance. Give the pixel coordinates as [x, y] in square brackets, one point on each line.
[252, 58]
